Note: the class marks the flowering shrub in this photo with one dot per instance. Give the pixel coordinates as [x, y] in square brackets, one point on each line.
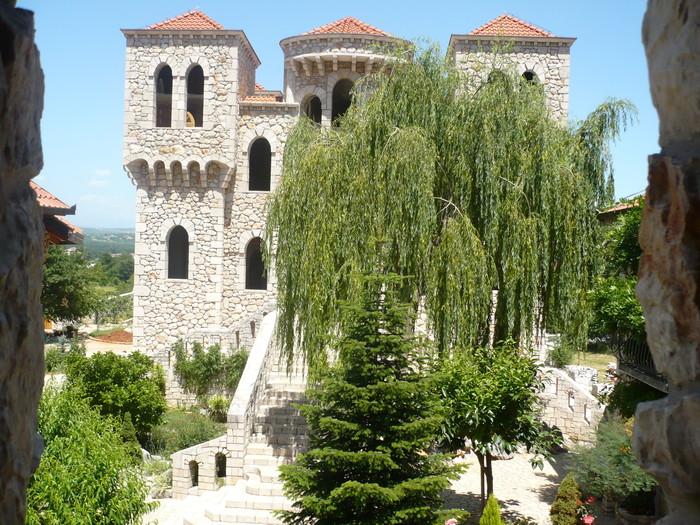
[584, 511]
[451, 521]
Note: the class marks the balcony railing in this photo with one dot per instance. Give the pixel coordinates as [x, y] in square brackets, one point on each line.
[635, 359]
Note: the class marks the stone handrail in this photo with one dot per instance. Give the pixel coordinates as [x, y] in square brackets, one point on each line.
[241, 413]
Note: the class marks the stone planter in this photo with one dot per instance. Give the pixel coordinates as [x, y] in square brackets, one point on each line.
[622, 517]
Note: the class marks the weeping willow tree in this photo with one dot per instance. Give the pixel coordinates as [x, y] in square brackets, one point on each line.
[466, 185]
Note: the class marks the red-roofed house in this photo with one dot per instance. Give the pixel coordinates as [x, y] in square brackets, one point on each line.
[57, 229]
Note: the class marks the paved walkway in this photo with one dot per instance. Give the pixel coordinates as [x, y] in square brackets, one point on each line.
[521, 491]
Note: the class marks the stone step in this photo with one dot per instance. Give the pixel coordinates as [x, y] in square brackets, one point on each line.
[280, 438]
[287, 420]
[267, 461]
[295, 395]
[256, 486]
[241, 516]
[268, 429]
[265, 474]
[244, 500]
[265, 449]
[278, 410]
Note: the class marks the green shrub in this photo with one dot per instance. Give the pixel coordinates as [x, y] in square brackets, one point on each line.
[217, 408]
[181, 429]
[564, 510]
[628, 393]
[609, 468]
[207, 371]
[562, 354]
[492, 512]
[55, 360]
[118, 385]
[86, 474]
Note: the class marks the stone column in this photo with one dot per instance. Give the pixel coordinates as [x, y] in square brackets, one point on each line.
[667, 432]
[21, 258]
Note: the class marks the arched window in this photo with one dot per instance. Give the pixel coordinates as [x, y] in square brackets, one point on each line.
[178, 253]
[312, 109]
[255, 278]
[220, 462]
[164, 97]
[194, 473]
[341, 99]
[159, 168]
[195, 97]
[259, 165]
[531, 78]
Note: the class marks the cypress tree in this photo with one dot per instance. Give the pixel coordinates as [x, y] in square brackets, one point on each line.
[373, 419]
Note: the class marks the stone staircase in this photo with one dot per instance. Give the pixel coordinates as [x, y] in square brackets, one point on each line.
[278, 434]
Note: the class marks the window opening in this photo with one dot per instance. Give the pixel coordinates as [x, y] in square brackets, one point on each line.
[164, 97]
[194, 473]
[195, 97]
[530, 78]
[255, 278]
[178, 253]
[259, 165]
[312, 109]
[341, 99]
[220, 460]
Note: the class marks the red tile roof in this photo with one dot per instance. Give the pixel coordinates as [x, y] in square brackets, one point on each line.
[348, 25]
[192, 20]
[48, 200]
[258, 87]
[263, 95]
[508, 25]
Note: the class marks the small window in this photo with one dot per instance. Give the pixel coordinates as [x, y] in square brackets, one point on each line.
[178, 253]
[220, 461]
[312, 109]
[341, 99]
[194, 473]
[255, 278]
[195, 97]
[531, 78]
[259, 165]
[164, 97]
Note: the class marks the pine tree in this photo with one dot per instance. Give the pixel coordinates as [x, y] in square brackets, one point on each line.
[564, 509]
[492, 512]
[374, 417]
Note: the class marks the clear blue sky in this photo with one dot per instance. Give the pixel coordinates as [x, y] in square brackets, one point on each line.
[82, 53]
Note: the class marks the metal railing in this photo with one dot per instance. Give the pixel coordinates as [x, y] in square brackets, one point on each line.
[635, 359]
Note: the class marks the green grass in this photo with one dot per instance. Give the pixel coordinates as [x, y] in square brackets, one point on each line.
[596, 360]
[106, 331]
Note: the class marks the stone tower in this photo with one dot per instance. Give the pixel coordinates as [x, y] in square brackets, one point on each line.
[537, 54]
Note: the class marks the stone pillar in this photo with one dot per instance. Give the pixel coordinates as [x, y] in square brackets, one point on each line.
[667, 432]
[21, 258]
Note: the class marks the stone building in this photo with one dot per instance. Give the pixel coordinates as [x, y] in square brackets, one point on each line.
[203, 143]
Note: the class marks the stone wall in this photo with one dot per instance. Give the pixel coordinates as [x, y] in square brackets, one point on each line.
[549, 60]
[568, 406]
[666, 436]
[21, 259]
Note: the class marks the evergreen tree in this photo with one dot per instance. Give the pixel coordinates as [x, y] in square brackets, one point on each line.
[374, 417]
[470, 185]
[564, 510]
[492, 512]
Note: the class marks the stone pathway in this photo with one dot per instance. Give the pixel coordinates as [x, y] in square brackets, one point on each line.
[521, 491]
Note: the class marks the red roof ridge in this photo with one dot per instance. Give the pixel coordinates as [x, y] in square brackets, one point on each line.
[191, 20]
[258, 87]
[348, 25]
[47, 199]
[508, 25]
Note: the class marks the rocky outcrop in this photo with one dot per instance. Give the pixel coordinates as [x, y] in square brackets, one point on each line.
[21, 258]
[667, 432]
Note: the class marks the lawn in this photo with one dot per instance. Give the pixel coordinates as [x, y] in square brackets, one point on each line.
[596, 360]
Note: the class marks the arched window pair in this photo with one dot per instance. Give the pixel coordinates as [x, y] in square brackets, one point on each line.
[179, 253]
[164, 97]
[341, 100]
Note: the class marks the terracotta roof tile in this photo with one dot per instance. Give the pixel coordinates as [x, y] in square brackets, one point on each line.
[262, 98]
[508, 25]
[258, 87]
[48, 200]
[192, 20]
[348, 25]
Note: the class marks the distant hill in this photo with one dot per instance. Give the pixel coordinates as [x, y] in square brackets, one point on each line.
[108, 240]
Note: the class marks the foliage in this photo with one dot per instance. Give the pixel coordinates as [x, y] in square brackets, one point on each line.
[85, 474]
[616, 308]
[113, 308]
[455, 181]
[181, 429]
[56, 357]
[562, 354]
[67, 292]
[564, 510]
[121, 385]
[492, 512]
[208, 370]
[217, 408]
[628, 393]
[371, 422]
[621, 241]
[159, 476]
[609, 467]
[490, 397]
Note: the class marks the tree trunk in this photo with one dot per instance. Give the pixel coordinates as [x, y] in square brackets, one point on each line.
[488, 472]
[482, 473]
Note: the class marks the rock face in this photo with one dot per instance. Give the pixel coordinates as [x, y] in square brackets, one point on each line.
[21, 257]
[667, 432]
